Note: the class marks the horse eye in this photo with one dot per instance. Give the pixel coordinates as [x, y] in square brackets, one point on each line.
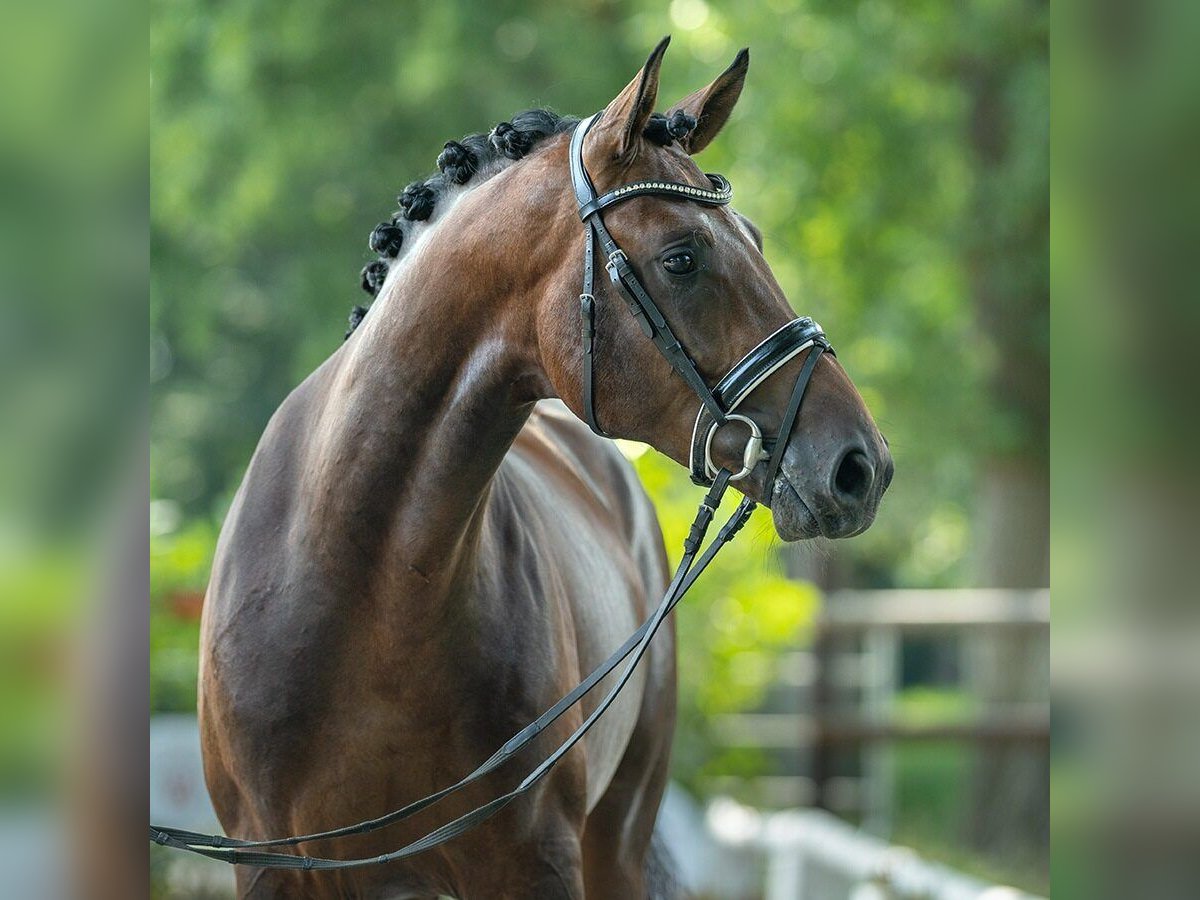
[680, 263]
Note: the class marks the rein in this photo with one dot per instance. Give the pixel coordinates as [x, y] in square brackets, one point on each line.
[239, 852]
[717, 409]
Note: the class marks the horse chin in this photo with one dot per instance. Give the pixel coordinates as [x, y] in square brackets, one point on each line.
[793, 519]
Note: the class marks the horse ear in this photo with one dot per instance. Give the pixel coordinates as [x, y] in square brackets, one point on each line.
[619, 130]
[710, 106]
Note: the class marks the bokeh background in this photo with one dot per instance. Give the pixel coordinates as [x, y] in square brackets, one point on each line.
[896, 157]
[75, 113]
[892, 151]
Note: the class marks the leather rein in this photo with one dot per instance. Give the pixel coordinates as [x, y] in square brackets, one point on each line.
[717, 408]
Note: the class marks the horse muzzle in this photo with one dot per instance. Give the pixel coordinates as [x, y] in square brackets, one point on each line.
[836, 500]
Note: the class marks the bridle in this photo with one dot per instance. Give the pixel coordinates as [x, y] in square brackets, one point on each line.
[717, 408]
[717, 404]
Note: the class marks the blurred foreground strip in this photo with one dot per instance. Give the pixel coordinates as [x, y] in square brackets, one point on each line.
[73, 291]
[1126, 552]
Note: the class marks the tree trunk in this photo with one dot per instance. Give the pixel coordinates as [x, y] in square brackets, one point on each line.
[1008, 269]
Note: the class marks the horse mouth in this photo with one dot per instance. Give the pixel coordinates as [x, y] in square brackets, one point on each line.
[794, 521]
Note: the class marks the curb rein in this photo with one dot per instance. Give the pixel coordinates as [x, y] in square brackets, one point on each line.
[717, 408]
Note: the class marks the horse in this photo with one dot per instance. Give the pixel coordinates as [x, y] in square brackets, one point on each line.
[429, 547]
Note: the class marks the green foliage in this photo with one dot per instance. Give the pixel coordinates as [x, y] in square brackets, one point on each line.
[179, 565]
[283, 131]
[38, 600]
[930, 813]
[731, 626]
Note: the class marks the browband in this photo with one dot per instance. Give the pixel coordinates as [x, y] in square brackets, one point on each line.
[720, 194]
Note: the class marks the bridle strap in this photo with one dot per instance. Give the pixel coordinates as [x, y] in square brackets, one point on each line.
[792, 413]
[645, 311]
[587, 316]
[654, 325]
[752, 370]
[581, 183]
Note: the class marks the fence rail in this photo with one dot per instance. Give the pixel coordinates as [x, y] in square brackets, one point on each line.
[913, 610]
[835, 717]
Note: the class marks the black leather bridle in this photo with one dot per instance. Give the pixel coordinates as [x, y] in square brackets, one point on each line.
[718, 405]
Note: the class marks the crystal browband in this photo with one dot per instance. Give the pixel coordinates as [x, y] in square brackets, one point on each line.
[720, 195]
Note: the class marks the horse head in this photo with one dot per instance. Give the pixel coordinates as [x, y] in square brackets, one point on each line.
[699, 265]
[704, 267]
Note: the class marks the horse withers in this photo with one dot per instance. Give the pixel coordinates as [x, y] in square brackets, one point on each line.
[429, 547]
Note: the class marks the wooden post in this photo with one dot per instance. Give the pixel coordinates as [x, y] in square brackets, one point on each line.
[822, 708]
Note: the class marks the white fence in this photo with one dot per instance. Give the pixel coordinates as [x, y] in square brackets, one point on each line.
[813, 855]
[178, 797]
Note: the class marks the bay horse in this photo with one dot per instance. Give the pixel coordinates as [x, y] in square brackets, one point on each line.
[429, 547]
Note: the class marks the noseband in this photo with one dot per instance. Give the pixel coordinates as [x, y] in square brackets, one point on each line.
[718, 405]
[717, 408]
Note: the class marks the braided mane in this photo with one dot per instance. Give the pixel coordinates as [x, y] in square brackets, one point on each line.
[469, 161]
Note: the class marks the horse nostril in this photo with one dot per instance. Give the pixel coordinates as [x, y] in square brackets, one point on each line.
[853, 477]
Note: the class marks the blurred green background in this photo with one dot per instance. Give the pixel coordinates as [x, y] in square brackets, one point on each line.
[895, 155]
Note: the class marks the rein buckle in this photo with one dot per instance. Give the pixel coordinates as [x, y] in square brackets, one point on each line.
[616, 261]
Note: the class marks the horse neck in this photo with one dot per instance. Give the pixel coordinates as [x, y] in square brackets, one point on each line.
[435, 385]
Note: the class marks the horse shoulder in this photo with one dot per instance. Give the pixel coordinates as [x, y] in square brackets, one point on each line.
[599, 531]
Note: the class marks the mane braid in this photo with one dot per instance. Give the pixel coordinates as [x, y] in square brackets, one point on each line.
[469, 161]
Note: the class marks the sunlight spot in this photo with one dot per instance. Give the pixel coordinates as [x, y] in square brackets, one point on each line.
[689, 14]
[711, 44]
[818, 66]
[517, 38]
[165, 516]
[944, 542]
[631, 450]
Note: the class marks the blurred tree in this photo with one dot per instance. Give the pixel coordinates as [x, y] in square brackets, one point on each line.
[1002, 63]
